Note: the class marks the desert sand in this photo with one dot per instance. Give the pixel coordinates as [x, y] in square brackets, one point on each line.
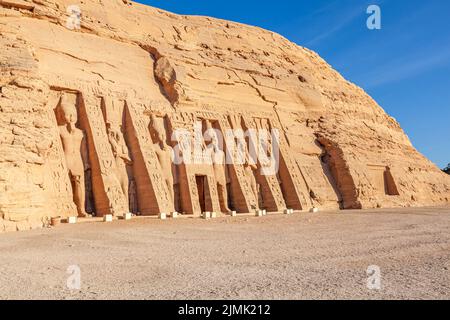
[301, 256]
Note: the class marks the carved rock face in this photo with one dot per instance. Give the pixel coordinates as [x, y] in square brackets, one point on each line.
[128, 62]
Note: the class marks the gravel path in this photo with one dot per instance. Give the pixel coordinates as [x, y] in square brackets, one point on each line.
[303, 256]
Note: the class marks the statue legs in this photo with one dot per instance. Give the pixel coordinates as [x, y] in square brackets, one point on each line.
[254, 187]
[223, 197]
[79, 194]
[169, 182]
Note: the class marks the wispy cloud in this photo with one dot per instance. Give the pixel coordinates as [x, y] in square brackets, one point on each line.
[400, 51]
[343, 22]
[407, 67]
[343, 15]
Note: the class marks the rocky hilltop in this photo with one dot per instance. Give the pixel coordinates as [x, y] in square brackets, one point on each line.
[88, 106]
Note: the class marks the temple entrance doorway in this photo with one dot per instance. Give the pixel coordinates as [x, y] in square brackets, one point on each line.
[201, 183]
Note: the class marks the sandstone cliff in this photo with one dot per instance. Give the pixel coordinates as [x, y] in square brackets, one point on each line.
[130, 70]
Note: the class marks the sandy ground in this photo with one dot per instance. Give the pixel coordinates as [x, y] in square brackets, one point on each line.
[303, 256]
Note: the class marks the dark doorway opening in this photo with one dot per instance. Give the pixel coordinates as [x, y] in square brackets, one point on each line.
[201, 184]
[390, 186]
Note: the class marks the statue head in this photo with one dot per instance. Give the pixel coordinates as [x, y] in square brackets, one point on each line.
[69, 111]
[213, 135]
[215, 139]
[113, 131]
[161, 132]
[159, 129]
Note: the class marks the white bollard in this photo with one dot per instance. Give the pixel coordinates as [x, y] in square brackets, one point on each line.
[314, 210]
[162, 216]
[206, 215]
[127, 216]
[72, 220]
[233, 213]
[213, 215]
[259, 213]
[287, 211]
[264, 212]
[108, 218]
[174, 215]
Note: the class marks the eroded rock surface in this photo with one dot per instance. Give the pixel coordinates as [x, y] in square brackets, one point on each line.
[129, 70]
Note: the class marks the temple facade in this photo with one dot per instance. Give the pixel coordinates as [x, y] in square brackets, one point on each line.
[120, 107]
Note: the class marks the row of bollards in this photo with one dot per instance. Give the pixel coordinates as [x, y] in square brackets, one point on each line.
[205, 215]
[164, 216]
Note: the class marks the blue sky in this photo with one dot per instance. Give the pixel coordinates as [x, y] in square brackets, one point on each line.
[405, 66]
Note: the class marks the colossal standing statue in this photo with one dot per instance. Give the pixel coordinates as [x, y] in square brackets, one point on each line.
[218, 158]
[241, 155]
[164, 154]
[134, 208]
[250, 170]
[122, 158]
[76, 153]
